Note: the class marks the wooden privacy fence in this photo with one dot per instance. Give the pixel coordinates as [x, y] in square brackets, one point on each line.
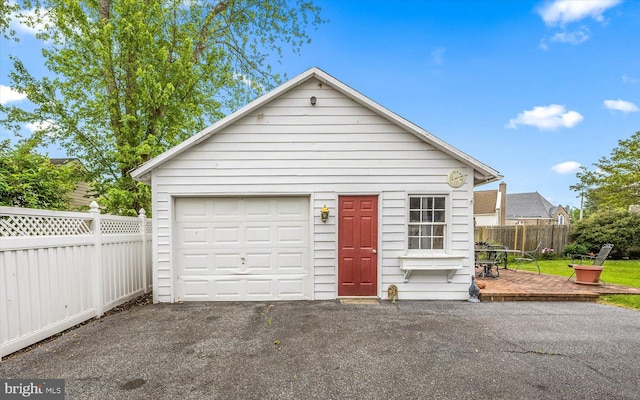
[526, 237]
[58, 269]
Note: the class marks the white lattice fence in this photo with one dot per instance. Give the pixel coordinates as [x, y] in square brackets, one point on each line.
[59, 268]
[120, 226]
[32, 225]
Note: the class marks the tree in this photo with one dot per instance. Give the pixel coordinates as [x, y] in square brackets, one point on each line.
[7, 8]
[28, 179]
[583, 188]
[615, 183]
[132, 78]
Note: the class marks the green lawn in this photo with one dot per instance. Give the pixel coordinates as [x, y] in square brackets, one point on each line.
[620, 272]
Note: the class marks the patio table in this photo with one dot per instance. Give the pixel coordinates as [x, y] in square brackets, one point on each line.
[494, 256]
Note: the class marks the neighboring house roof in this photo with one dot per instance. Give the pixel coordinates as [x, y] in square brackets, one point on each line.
[482, 173]
[61, 161]
[529, 205]
[484, 201]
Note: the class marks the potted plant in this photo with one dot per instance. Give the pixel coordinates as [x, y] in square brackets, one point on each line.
[588, 274]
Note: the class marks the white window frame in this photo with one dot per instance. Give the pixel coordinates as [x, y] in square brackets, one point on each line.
[446, 236]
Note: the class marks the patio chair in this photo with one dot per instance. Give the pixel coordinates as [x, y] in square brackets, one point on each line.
[597, 260]
[529, 256]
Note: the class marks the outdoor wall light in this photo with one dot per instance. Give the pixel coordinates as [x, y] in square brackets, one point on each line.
[324, 213]
[313, 100]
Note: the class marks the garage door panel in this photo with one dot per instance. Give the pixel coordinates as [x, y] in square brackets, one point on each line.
[191, 209]
[198, 288]
[283, 262]
[258, 288]
[258, 235]
[195, 263]
[224, 208]
[291, 287]
[291, 235]
[228, 289]
[224, 263]
[226, 235]
[242, 248]
[257, 207]
[195, 235]
[291, 261]
[291, 208]
[257, 261]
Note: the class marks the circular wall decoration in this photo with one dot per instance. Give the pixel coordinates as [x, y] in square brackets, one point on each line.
[456, 178]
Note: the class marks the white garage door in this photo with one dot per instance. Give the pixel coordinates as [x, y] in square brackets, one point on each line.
[252, 248]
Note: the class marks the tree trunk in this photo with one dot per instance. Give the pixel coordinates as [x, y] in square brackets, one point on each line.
[104, 9]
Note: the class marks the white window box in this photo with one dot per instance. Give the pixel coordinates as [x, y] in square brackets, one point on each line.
[449, 264]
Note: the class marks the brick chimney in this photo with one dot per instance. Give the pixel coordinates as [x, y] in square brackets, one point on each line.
[502, 189]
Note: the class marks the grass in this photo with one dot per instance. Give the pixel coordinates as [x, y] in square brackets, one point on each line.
[618, 272]
[622, 300]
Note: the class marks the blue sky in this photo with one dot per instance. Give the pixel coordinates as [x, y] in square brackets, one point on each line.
[534, 89]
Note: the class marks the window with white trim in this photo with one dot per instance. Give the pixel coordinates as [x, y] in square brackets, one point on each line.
[427, 222]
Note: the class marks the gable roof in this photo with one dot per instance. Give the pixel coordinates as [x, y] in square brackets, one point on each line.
[529, 205]
[485, 201]
[482, 173]
[61, 161]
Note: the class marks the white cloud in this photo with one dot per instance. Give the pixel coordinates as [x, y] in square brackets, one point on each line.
[245, 81]
[42, 126]
[621, 105]
[547, 118]
[437, 55]
[40, 19]
[566, 167]
[7, 95]
[576, 37]
[543, 45]
[561, 12]
[627, 79]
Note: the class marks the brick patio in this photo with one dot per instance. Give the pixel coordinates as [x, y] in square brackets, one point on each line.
[531, 286]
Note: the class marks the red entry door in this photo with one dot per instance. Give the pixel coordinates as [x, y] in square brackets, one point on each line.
[357, 246]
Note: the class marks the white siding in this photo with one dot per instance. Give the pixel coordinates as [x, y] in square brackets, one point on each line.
[325, 257]
[80, 198]
[336, 147]
[487, 220]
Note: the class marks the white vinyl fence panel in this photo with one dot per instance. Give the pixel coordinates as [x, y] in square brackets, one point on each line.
[58, 269]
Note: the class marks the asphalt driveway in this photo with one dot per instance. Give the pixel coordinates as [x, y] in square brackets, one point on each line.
[328, 350]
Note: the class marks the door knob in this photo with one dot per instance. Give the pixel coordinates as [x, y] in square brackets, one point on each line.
[374, 251]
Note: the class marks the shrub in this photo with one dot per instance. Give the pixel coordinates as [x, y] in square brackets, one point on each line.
[634, 253]
[618, 227]
[548, 254]
[575, 248]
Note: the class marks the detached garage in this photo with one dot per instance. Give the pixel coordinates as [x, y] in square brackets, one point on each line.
[312, 192]
[242, 248]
